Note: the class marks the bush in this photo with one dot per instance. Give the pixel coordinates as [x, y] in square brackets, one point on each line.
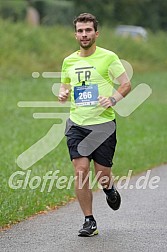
[58, 12]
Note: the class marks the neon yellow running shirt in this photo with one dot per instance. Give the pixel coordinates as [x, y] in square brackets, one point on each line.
[89, 77]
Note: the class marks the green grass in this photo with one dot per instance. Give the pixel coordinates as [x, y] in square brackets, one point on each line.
[141, 136]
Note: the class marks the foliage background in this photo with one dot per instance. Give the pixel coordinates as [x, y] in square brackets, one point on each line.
[150, 14]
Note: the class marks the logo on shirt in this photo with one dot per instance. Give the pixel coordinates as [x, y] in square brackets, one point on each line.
[83, 73]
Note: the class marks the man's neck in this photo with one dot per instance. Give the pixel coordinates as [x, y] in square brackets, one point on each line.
[88, 52]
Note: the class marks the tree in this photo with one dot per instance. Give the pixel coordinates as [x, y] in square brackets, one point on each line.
[103, 10]
[13, 10]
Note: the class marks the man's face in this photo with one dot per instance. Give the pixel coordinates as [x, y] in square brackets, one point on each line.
[85, 34]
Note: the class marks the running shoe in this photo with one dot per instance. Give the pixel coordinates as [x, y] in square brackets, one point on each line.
[89, 228]
[114, 199]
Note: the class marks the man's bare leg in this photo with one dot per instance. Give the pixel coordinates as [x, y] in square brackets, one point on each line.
[104, 175]
[105, 179]
[84, 194]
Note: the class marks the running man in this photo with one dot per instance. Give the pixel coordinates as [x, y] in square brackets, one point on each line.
[87, 76]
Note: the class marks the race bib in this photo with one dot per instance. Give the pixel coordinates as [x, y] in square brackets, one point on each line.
[86, 95]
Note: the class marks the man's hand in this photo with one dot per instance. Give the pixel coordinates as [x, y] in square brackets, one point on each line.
[119, 94]
[105, 102]
[63, 95]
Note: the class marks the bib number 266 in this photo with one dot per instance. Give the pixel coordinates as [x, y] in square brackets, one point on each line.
[85, 95]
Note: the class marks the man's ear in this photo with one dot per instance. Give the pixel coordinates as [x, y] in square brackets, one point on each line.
[97, 34]
[75, 35]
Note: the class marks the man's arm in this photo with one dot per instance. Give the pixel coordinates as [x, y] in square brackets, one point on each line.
[64, 92]
[120, 93]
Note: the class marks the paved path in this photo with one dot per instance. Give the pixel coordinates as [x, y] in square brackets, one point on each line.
[139, 225]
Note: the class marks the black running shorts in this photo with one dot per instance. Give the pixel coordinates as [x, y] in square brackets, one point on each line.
[96, 142]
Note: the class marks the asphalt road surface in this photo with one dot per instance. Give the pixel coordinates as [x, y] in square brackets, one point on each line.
[139, 225]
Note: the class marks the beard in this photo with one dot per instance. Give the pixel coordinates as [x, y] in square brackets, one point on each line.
[87, 45]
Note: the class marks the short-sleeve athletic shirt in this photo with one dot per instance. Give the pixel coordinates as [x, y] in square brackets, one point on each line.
[100, 68]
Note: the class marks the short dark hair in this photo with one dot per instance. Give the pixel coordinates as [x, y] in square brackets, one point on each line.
[84, 18]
